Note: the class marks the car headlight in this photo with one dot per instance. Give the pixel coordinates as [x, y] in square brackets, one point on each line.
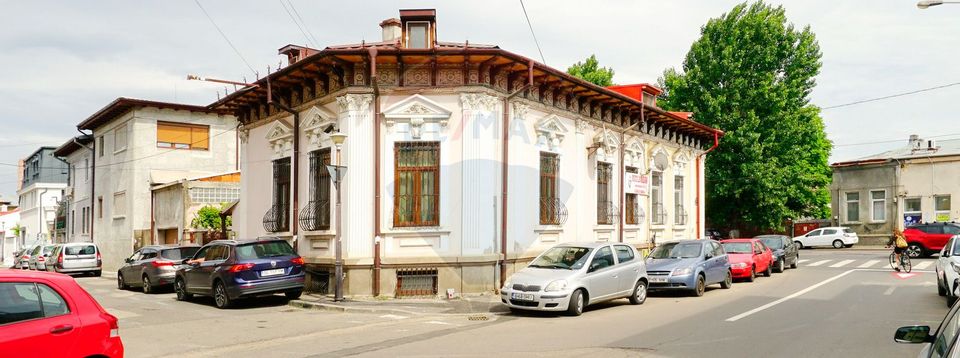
[681, 271]
[739, 265]
[507, 284]
[555, 286]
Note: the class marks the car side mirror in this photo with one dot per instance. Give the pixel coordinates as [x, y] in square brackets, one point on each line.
[185, 261]
[912, 334]
[707, 256]
[128, 260]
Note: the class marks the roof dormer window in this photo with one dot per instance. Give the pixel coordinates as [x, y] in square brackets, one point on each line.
[418, 34]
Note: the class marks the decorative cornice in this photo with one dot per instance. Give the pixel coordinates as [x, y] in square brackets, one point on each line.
[478, 102]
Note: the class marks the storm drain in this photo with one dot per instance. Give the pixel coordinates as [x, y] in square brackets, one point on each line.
[478, 318]
[414, 282]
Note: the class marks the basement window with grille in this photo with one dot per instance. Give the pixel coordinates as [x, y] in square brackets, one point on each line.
[417, 282]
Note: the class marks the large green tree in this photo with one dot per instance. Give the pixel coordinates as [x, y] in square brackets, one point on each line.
[591, 71]
[750, 74]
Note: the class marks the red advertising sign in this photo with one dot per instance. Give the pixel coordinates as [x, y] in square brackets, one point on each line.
[637, 184]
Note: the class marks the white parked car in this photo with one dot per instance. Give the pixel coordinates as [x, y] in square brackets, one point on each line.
[568, 277]
[838, 237]
[948, 270]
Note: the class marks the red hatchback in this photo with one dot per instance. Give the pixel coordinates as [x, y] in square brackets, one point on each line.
[748, 257]
[51, 311]
[925, 239]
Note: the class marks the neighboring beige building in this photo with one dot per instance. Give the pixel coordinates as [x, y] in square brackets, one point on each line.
[137, 144]
[78, 153]
[176, 204]
[894, 189]
[459, 169]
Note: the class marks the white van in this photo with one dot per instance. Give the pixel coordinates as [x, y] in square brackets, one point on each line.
[76, 258]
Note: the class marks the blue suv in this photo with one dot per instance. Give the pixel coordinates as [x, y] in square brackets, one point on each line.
[228, 270]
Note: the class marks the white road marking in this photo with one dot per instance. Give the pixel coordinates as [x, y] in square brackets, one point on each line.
[121, 314]
[923, 265]
[889, 291]
[842, 263]
[869, 263]
[393, 316]
[787, 298]
[818, 263]
[802, 261]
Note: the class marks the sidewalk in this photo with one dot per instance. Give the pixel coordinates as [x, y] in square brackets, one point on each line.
[475, 305]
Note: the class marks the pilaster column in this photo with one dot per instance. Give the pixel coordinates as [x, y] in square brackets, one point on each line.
[356, 120]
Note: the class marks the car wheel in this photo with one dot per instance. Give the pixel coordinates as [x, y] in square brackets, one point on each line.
[799, 245]
[576, 303]
[147, 287]
[780, 266]
[181, 288]
[97, 273]
[727, 282]
[701, 286]
[120, 284]
[837, 244]
[639, 293]
[753, 274]
[292, 295]
[796, 262]
[940, 290]
[220, 296]
[915, 251]
[769, 271]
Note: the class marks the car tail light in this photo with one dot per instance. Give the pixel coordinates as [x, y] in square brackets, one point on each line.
[60, 259]
[297, 261]
[40, 259]
[240, 267]
[161, 263]
[99, 261]
[113, 322]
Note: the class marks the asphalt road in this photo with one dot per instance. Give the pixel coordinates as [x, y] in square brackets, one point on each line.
[839, 303]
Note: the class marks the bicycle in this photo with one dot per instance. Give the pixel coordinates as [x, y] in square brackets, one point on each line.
[905, 264]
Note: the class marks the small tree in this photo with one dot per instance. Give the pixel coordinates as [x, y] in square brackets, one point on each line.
[16, 230]
[591, 71]
[208, 217]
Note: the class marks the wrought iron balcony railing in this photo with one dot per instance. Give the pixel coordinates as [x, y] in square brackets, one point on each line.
[681, 218]
[277, 219]
[315, 216]
[607, 213]
[552, 212]
[659, 215]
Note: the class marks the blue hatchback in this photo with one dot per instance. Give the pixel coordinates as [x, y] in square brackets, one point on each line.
[688, 265]
[228, 270]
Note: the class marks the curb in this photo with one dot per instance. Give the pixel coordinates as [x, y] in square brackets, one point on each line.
[346, 309]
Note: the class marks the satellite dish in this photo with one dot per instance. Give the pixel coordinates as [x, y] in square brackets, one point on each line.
[660, 161]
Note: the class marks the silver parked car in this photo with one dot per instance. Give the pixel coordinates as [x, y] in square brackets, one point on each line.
[153, 266]
[39, 257]
[83, 258]
[568, 277]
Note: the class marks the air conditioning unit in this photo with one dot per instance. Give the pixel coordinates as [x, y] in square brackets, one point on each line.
[932, 144]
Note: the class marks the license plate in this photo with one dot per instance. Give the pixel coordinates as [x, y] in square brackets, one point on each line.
[274, 272]
[658, 279]
[522, 296]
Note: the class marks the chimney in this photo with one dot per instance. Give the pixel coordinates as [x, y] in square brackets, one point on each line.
[391, 29]
[295, 53]
[915, 142]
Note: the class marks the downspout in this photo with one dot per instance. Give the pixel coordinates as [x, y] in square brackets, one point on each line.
[505, 167]
[372, 53]
[93, 176]
[623, 137]
[295, 162]
[236, 148]
[153, 219]
[716, 142]
[40, 213]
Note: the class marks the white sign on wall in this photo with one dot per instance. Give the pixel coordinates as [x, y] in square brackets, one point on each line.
[637, 184]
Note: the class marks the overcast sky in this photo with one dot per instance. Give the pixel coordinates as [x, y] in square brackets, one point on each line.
[60, 61]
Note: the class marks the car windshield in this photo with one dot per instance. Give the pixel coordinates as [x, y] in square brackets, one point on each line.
[676, 251]
[263, 250]
[738, 247]
[772, 242]
[567, 258]
[179, 253]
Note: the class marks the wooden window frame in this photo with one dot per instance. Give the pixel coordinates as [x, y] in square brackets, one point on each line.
[604, 180]
[416, 216]
[631, 203]
[656, 199]
[189, 146]
[548, 188]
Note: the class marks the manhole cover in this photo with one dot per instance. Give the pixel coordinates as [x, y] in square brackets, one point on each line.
[478, 318]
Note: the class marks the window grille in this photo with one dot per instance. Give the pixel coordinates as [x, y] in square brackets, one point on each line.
[277, 218]
[316, 214]
[414, 282]
[605, 209]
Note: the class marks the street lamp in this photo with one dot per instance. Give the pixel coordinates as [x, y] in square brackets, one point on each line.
[336, 171]
[928, 3]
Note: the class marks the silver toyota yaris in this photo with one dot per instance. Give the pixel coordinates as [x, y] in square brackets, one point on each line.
[569, 277]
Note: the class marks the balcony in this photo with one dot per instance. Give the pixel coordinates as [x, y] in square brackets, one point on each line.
[315, 216]
[277, 219]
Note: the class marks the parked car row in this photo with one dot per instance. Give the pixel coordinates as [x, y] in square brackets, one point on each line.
[569, 277]
[226, 270]
[71, 258]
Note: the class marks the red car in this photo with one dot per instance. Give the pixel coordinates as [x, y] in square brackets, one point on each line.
[50, 311]
[747, 257]
[925, 239]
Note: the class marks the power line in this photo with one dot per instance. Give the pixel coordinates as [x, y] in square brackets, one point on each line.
[891, 140]
[532, 33]
[224, 36]
[305, 27]
[892, 96]
[296, 23]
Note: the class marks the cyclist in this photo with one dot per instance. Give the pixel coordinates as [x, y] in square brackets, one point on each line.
[899, 243]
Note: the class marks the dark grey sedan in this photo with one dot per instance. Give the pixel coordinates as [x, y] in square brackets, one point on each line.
[785, 251]
[153, 266]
